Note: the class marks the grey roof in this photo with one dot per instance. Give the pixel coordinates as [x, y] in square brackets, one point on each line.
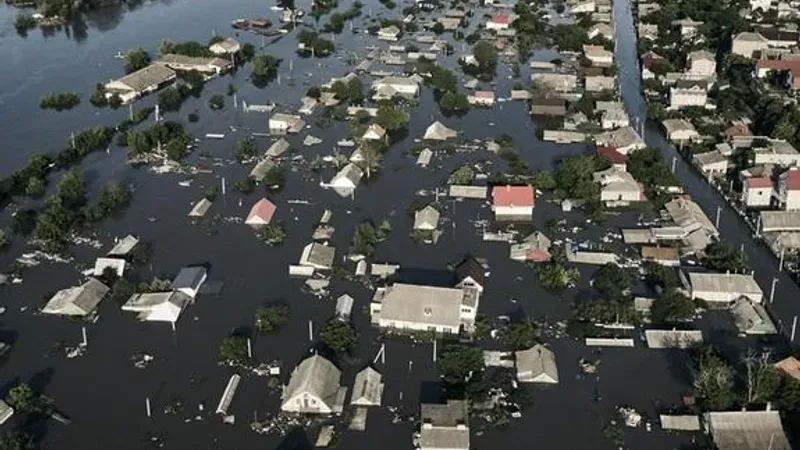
[421, 304]
[143, 79]
[367, 388]
[674, 125]
[470, 267]
[344, 305]
[77, 301]
[189, 277]
[449, 414]
[780, 221]
[438, 131]
[711, 157]
[426, 218]
[680, 423]
[278, 148]
[724, 283]
[261, 168]
[747, 430]
[536, 365]
[228, 44]
[673, 338]
[688, 215]
[621, 137]
[172, 58]
[319, 255]
[200, 208]
[124, 246]
[752, 318]
[316, 376]
[701, 54]
[750, 36]
[351, 172]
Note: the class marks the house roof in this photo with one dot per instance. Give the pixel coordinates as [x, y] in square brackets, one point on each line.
[651, 59]
[660, 253]
[172, 58]
[319, 254]
[620, 138]
[751, 317]
[228, 44]
[189, 277]
[77, 301]
[438, 131]
[502, 19]
[776, 34]
[750, 36]
[280, 146]
[758, 182]
[150, 76]
[513, 196]
[611, 154]
[470, 267]
[350, 172]
[261, 213]
[676, 125]
[158, 306]
[426, 218]
[747, 430]
[368, 387]
[789, 366]
[535, 363]
[375, 129]
[421, 304]
[737, 129]
[700, 54]
[449, 414]
[124, 246]
[117, 265]
[200, 208]
[724, 283]
[791, 179]
[688, 214]
[316, 376]
[673, 338]
[780, 221]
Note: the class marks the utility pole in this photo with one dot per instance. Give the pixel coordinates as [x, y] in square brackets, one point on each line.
[780, 264]
[758, 226]
[310, 331]
[772, 289]
[794, 327]
[434, 349]
[674, 162]
[147, 405]
[85, 342]
[249, 349]
[716, 222]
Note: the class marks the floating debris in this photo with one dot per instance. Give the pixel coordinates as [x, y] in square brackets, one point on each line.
[629, 415]
[141, 360]
[311, 140]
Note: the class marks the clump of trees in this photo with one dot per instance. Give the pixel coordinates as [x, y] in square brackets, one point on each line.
[271, 318]
[615, 304]
[216, 102]
[649, 168]
[170, 136]
[23, 23]
[463, 175]
[136, 59]
[722, 258]
[233, 350]
[390, 117]
[486, 59]
[60, 101]
[272, 234]
[188, 48]
[367, 236]
[445, 85]
[458, 364]
[520, 335]
[351, 92]
[554, 275]
[314, 45]
[264, 70]
[339, 336]
[245, 149]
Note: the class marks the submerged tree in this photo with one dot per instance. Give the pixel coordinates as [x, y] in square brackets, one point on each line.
[714, 382]
[271, 318]
[339, 336]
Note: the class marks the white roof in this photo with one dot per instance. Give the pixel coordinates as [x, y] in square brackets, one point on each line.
[437, 131]
[349, 175]
[124, 246]
[724, 283]
[680, 423]
[200, 208]
[158, 306]
[367, 388]
[536, 365]
[426, 218]
[316, 376]
[115, 264]
[77, 301]
[747, 430]
[421, 304]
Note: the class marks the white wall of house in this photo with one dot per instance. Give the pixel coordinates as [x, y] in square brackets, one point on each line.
[304, 402]
[703, 67]
[679, 98]
[757, 196]
[724, 297]
[790, 200]
[513, 211]
[405, 325]
[778, 159]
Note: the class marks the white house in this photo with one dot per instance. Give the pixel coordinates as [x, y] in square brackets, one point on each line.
[421, 308]
[367, 388]
[513, 201]
[286, 123]
[779, 153]
[77, 301]
[747, 43]
[602, 30]
[716, 288]
[403, 86]
[444, 426]
[788, 194]
[536, 365]
[625, 140]
[685, 94]
[702, 63]
[711, 163]
[158, 306]
[680, 130]
[143, 81]
[499, 22]
[227, 46]
[117, 265]
[374, 132]
[390, 33]
[426, 219]
[614, 118]
[618, 187]
[583, 7]
[757, 191]
[189, 280]
[598, 55]
[314, 388]
[346, 180]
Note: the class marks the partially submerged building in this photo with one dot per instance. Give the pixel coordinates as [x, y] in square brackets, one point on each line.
[437, 131]
[536, 365]
[143, 81]
[367, 388]
[346, 180]
[261, 213]
[318, 256]
[509, 202]
[747, 430]
[314, 388]
[158, 306]
[426, 219]
[77, 301]
[423, 308]
[444, 426]
[721, 288]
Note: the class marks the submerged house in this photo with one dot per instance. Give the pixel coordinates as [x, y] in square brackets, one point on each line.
[143, 81]
[423, 308]
[438, 132]
[426, 219]
[444, 426]
[346, 180]
[77, 301]
[261, 213]
[536, 365]
[314, 388]
[513, 202]
[535, 247]
[368, 388]
[189, 280]
[285, 123]
[318, 256]
[158, 306]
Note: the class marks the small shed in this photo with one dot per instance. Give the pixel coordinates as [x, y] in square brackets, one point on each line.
[189, 280]
[344, 306]
[124, 246]
[424, 158]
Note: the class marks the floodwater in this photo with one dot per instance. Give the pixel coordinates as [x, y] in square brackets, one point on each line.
[105, 395]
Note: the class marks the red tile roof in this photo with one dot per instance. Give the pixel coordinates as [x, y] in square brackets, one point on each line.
[758, 182]
[612, 154]
[501, 18]
[513, 196]
[262, 211]
[792, 180]
[791, 65]
[651, 59]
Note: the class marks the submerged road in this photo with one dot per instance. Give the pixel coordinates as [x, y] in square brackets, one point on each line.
[785, 307]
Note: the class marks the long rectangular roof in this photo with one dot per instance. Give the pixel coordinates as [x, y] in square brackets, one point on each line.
[422, 304]
[747, 430]
[722, 282]
[152, 75]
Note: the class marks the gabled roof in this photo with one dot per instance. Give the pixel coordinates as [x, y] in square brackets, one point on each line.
[758, 182]
[77, 301]
[513, 196]
[437, 131]
[747, 430]
[316, 376]
[261, 213]
[470, 267]
[791, 180]
[367, 388]
[426, 218]
[536, 364]
[280, 146]
[502, 19]
[611, 154]
[124, 246]
[189, 277]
